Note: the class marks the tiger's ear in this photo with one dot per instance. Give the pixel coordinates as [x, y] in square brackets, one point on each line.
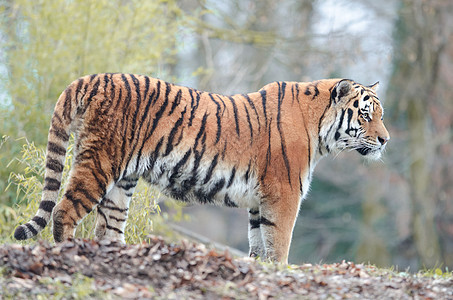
[374, 86]
[341, 89]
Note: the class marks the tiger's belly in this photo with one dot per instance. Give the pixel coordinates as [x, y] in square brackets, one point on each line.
[192, 179]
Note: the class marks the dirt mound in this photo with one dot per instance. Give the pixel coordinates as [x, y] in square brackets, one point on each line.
[189, 270]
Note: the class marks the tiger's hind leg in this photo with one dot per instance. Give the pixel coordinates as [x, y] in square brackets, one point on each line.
[256, 246]
[113, 210]
[86, 187]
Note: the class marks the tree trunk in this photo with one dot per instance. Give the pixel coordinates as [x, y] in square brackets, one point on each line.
[418, 47]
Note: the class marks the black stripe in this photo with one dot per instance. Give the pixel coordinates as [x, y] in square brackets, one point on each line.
[333, 95]
[155, 154]
[319, 126]
[67, 106]
[188, 184]
[19, 233]
[254, 212]
[266, 222]
[219, 120]
[59, 133]
[86, 193]
[337, 133]
[173, 133]
[117, 219]
[228, 203]
[297, 93]
[223, 103]
[217, 187]
[175, 172]
[350, 114]
[57, 129]
[147, 81]
[300, 184]
[93, 93]
[138, 98]
[40, 221]
[316, 91]
[211, 169]
[235, 111]
[247, 173]
[201, 131]
[125, 120]
[54, 165]
[194, 104]
[114, 229]
[308, 145]
[98, 172]
[281, 95]
[268, 152]
[56, 118]
[106, 80]
[250, 123]
[99, 211]
[233, 173]
[349, 129]
[224, 149]
[51, 184]
[47, 206]
[128, 185]
[176, 102]
[76, 203]
[263, 101]
[54, 148]
[252, 105]
[92, 76]
[158, 116]
[207, 197]
[157, 94]
[114, 208]
[307, 91]
[31, 228]
[145, 115]
[254, 223]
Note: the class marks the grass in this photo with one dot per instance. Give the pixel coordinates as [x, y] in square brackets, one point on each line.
[144, 212]
[79, 287]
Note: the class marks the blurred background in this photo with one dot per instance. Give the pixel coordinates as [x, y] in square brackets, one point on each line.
[396, 212]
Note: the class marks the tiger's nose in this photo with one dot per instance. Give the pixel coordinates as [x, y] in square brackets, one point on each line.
[383, 140]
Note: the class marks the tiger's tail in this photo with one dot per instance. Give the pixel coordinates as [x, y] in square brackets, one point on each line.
[58, 138]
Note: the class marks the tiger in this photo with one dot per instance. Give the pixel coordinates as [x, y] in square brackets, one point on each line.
[255, 151]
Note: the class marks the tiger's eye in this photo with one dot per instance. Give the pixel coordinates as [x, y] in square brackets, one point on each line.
[366, 117]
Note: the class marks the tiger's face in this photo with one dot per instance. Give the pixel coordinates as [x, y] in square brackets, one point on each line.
[359, 119]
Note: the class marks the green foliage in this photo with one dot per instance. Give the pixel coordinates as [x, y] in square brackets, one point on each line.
[143, 213]
[45, 45]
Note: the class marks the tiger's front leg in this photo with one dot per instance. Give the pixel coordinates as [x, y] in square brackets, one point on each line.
[256, 246]
[278, 215]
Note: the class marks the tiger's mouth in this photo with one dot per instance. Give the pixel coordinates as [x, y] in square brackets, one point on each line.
[364, 150]
[371, 153]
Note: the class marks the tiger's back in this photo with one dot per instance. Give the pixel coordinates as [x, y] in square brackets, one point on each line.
[254, 150]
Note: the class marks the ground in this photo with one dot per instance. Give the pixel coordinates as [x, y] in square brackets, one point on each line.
[86, 269]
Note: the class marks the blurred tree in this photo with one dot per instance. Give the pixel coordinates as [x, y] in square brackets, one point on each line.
[48, 44]
[419, 94]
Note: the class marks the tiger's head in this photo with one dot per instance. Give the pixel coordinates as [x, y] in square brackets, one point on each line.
[357, 116]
